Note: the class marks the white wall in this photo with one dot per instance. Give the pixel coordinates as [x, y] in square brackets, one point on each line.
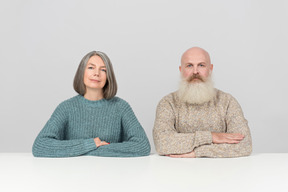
[42, 43]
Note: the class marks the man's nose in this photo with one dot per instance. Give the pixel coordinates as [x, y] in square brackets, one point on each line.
[195, 70]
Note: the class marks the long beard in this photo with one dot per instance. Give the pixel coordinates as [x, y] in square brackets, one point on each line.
[196, 92]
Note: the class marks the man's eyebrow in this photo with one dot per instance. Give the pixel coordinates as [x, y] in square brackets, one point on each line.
[202, 62]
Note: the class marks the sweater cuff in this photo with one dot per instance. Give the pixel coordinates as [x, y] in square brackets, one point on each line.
[89, 144]
[202, 138]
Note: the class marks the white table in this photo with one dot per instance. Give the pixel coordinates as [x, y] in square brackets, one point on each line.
[23, 172]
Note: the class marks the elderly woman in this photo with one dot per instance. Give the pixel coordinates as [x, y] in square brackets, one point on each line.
[95, 122]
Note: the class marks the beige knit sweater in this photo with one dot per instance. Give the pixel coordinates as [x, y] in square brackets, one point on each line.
[181, 128]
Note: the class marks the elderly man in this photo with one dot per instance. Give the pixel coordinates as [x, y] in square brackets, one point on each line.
[199, 120]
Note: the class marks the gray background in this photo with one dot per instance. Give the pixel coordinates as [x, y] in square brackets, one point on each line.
[42, 43]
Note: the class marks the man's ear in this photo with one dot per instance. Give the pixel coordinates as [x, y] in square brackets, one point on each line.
[180, 68]
[211, 67]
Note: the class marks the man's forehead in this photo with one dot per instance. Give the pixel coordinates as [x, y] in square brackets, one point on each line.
[194, 58]
[195, 55]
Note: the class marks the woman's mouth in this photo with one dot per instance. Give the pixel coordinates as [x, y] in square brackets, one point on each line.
[94, 80]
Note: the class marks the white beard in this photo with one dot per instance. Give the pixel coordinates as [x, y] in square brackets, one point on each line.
[196, 93]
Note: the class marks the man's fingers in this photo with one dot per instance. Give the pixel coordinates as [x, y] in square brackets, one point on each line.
[177, 156]
[230, 138]
[235, 136]
[233, 142]
[173, 156]
[235, 139]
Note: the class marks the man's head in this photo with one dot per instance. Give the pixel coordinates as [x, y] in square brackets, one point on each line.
[196, 86]
[195, 65]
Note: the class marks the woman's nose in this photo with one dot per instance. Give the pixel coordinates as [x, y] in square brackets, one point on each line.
[96, 73]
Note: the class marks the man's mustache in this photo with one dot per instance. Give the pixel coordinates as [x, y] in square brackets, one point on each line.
[195, 76]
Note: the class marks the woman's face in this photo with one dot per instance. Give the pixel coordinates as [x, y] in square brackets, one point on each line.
[95, 73]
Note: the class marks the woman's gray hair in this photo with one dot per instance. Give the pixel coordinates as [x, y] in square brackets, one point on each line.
[110, 88]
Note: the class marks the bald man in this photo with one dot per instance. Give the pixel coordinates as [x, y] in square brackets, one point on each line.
[198, 120]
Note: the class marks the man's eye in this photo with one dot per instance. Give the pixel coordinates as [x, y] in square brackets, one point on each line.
[189, 65]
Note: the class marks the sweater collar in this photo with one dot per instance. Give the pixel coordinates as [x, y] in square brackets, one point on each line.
[97, 103]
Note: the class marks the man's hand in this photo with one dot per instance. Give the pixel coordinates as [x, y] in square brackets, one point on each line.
[185, 155]
[229, 138]
[99, 143]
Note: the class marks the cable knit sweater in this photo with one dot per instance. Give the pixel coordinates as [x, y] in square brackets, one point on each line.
[77, 121]
[181, 128]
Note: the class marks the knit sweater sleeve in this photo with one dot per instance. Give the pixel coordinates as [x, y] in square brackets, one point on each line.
[236, 123]
[166, 138]
[51, 140]
[134, 140]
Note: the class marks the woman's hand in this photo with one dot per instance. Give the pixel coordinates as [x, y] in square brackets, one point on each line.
[99, 143]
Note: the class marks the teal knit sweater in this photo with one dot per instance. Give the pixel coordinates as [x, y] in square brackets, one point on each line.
[75, 123]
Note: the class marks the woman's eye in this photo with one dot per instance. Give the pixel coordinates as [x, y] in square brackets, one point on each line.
[90, 67]
[103, 70]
